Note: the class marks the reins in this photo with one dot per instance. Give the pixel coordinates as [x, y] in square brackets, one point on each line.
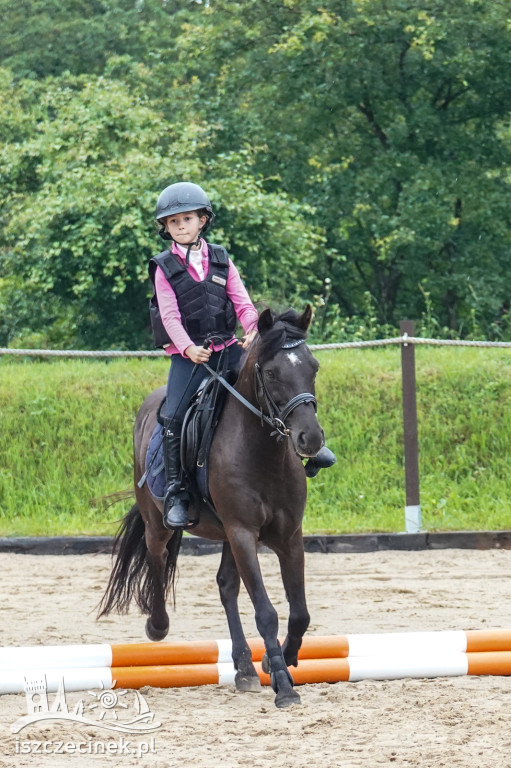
[237, 395]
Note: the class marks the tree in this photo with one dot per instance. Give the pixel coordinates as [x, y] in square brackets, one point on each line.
[77, 227]
[361, 145]
[387, 117]
[43, 38]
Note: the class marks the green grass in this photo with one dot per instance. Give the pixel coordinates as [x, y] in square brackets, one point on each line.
[65, 439]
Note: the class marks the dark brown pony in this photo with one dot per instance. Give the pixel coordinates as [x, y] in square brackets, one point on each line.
[258, 486]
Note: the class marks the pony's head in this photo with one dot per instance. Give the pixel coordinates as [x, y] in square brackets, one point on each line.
[286, 370]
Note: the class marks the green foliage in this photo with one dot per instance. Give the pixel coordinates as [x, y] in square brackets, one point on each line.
[44, 38]
[357, 142]
[78, 234]
[78, 240]
[387, 118]
[66, 439]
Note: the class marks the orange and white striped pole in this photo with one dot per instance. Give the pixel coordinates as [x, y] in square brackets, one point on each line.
[308, 671]
[322, 659]
[220, 651]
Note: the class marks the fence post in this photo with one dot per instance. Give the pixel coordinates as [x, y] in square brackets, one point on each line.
[411, 447]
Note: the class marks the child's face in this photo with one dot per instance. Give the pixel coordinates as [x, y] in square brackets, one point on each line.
[184, 228]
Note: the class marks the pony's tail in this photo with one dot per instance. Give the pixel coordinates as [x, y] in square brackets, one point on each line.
[131, 578]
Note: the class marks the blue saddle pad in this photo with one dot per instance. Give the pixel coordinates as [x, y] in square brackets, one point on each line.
[154, 464]
[155, 468]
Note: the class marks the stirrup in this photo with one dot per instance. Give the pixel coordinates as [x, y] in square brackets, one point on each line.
[175, 509]
[324, 459]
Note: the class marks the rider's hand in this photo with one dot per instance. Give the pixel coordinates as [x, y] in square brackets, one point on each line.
[247, 340]
[198, 354]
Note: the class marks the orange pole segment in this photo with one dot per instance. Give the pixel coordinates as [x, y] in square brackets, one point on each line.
[157, 654]
[488, 640]
[189, 675]
[256, 645]
[176, 676]
[327, 647]
[206, 652]
[489, 663]
[314, 671]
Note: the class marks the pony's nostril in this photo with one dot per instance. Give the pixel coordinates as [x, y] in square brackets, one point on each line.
[302, 440]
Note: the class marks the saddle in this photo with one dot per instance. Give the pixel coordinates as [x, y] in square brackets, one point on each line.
[197, 434]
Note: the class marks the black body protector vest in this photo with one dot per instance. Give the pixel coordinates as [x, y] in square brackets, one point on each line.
[204, 306]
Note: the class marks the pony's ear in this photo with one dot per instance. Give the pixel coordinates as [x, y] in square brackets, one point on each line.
[304, 320]
[266, 320]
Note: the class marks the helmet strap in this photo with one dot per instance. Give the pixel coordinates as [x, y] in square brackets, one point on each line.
[187, 259]
[188, 253]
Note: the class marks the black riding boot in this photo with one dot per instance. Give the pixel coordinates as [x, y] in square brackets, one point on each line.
[325, 458]
[177, 498]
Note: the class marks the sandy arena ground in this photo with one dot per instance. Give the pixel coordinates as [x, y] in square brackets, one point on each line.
[454, 722]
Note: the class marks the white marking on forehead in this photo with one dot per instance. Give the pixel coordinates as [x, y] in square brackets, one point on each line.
[293, 358]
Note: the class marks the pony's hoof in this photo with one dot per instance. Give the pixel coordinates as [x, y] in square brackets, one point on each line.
[287, 699]
[247, 684]
[153, 633]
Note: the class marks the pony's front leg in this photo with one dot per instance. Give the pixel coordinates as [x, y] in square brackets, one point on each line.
[292, 568]
[228, 580]
[244, 548]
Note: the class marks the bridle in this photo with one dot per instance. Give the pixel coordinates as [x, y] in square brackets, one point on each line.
[275, 416]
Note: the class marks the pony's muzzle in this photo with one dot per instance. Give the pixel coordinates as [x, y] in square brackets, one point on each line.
[308, 438]
[307, 448]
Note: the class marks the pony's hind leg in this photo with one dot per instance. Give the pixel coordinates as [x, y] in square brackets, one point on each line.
[161, 556]
[228, 580]
[157, 624]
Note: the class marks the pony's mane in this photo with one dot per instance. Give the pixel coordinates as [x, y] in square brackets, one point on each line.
[284, 329]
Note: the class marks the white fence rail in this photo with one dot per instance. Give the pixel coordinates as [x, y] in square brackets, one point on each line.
[404, 339]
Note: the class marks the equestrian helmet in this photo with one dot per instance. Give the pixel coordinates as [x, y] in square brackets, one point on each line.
[182, 197]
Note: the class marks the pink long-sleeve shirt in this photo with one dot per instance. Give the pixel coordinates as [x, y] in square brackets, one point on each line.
[169, 309]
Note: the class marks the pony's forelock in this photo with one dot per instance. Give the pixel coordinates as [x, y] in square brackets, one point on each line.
[285, 328]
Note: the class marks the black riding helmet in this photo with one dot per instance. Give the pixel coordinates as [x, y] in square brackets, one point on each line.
[180, 198]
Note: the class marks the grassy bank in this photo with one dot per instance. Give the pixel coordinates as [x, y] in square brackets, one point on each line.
[65, 440]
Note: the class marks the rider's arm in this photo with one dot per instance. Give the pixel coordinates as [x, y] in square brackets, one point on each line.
[169, 312]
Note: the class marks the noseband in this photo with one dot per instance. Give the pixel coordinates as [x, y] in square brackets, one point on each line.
[276, 415]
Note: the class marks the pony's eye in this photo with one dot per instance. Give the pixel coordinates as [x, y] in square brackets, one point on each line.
[269, 374]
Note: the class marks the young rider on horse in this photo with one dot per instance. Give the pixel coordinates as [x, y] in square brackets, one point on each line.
[198, 294]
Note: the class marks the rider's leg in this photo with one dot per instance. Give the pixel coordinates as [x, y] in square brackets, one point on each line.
[325, 458]
[184, 379]
[234, 353]
[181, 387]
[177, 498]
